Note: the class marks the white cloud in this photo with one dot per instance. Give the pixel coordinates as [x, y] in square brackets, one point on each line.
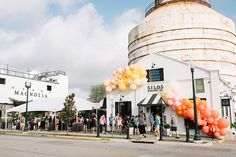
[79, 93]
[80, 44]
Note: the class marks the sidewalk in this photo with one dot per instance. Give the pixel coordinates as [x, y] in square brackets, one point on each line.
[150, 138]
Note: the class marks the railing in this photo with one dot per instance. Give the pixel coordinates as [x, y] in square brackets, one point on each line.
[153, 5]
[27, 75]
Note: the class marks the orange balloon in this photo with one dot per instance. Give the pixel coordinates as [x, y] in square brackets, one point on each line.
[185, 114]
[187, 103]
[215, 114]
[179, 113]
[200, 107]
[216, 134]
[223, 123]
[179, 108]
[184, 107]
[222, 132]
[210, 120]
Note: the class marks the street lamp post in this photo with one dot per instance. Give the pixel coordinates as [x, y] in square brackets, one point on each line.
[28, 86]
[196, 135]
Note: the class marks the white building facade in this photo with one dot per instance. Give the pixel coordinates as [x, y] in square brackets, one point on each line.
[43, 85]
[177, 74]
[173, 34]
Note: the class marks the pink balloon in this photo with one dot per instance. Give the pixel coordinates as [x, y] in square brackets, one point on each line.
[170, 102]
[177, 103]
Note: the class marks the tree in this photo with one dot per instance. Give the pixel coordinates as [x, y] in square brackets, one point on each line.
[69, 110]
[97, 93]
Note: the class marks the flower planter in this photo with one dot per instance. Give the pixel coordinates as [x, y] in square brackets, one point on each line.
[131, 130]
[166, 132]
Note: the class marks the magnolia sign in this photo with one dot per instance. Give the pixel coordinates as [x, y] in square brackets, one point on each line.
[31, 94]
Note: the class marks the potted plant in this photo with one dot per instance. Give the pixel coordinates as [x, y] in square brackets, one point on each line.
[166, 129]
[131, 128]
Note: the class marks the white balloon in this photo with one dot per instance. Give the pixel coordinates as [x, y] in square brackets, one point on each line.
[113, 81]
[138, 82]
[113, 87]
[108, 89]
[106, 82]
[120, 70]
[133, 86]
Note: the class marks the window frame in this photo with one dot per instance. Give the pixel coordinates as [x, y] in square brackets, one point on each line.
[161, 72]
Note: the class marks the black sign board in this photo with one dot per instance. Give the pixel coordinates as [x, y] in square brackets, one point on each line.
[225, 102]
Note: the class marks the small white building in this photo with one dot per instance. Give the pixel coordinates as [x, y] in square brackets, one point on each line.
[43, 85]
[163, 71]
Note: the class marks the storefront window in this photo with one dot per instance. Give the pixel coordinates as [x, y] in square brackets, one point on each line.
[154, 75]
[2, 81]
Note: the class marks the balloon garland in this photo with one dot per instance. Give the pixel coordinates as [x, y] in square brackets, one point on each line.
[131, 77]
[209, 119]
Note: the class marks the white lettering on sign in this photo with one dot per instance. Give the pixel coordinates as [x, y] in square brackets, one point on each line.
[155, 88]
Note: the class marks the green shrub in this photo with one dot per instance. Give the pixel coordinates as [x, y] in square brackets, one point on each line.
[167, 126]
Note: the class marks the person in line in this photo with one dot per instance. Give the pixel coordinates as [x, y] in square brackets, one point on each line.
[173, 128]
[157, 126]
[111, 119]
[120, 124]
[136, 132]
[151, 118]
[103, 123]
[141, 126]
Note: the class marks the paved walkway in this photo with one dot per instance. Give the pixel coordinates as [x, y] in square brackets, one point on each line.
[150, 138]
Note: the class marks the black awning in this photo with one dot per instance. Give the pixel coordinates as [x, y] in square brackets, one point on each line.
[151, 100]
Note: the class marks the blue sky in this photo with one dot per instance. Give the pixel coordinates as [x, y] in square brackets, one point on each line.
[112, 8]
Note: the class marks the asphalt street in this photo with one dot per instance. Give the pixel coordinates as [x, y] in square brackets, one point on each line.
[18, 146]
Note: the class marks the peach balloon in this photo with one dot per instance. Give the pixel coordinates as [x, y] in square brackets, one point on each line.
[207, 113]
[222, 132]
[216, 134]
[205, 129]
[190, 113]
[210, 120]
[199, 122]
[223, 123]
[215, 114]
[204, 123]
[212, 128]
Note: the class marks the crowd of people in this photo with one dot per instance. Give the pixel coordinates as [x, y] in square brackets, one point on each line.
[117, 124]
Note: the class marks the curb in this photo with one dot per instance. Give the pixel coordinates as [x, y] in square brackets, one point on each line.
[55, 136]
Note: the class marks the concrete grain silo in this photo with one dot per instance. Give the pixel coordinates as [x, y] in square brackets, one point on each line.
[187, 30]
